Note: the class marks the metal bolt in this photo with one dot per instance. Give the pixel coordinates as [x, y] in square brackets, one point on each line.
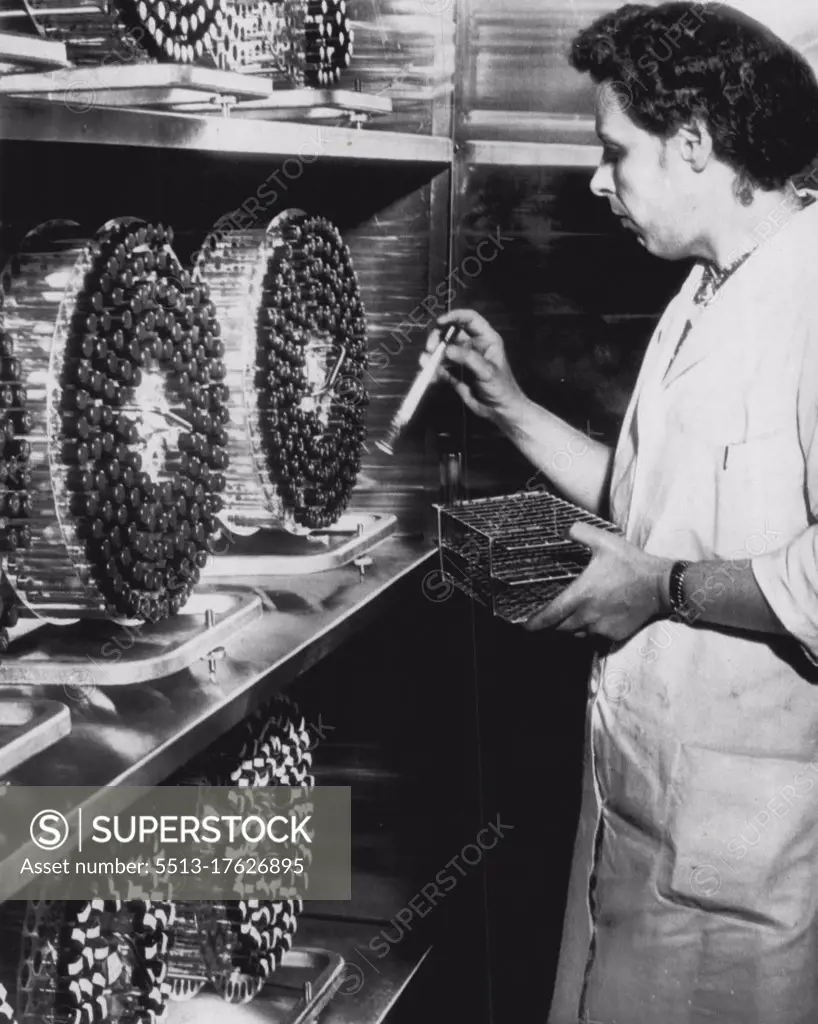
[362, 564]
[217, 654]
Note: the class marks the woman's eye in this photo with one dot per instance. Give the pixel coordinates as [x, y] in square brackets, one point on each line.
[610, 156]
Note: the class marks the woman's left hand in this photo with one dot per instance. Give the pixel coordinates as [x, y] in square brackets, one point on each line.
[622, 589]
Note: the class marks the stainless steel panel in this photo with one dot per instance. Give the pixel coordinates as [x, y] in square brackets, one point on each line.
[573, 295]
[530, 154]
[301, 986]
[404, 49]
[274, 552]
[111, 85]
[305, 104]
[398, 253]
[145, 654]
[19, 50]
[518, 82]
[54, 122]
[139, 735]
[27, 728]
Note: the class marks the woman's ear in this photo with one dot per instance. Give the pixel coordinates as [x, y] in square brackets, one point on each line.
[695, 144]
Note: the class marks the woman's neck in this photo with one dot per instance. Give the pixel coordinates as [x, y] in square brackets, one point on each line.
[752, 226]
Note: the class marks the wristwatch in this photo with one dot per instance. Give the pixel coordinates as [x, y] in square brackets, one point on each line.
[676, 589]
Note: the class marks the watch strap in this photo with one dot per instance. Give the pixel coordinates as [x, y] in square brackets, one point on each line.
[676, 589]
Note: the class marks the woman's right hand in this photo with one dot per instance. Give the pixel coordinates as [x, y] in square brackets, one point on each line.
[490, 390]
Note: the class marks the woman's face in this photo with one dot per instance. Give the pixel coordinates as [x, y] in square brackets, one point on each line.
[644, 180]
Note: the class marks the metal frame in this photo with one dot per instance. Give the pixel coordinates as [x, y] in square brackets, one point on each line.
[19, 49]
[351, 538]
[530, 154]
[38, 120]
[194, 635]
[27, 728]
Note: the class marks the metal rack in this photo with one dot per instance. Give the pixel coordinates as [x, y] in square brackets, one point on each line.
[300, 604]
[512, 553]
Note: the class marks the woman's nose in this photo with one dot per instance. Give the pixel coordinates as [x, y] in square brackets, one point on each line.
[602, 181]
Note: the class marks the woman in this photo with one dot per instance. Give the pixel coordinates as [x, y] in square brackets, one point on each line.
[694, 893]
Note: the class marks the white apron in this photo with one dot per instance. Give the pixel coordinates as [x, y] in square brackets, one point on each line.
[694, 890]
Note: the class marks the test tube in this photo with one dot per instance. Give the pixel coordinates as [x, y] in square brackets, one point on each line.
[419, 388]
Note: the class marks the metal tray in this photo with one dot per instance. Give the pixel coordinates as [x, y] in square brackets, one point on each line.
[102, 654]
[27, 727]
[304, 104]
[20, 50]
[299, 989]
[277, 553]
[142, 85]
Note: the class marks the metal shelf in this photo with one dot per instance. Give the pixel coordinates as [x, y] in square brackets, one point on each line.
[531, 154]
[140, 735]
[23, 51]
[143, 85]
[43, 121]
[371, 986]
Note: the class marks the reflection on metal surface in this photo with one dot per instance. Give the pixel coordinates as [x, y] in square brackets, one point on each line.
[91, 32]
[531, 154]
[79, 89]
[27, 728]
[529, 127]
[45, 122]
[272, 553]
[127, 656]
[303, 985]
[140, 735]
[304, 105]
[573, 296]
[398, 270]
[18, 51]
[404, 49]
[517, 66]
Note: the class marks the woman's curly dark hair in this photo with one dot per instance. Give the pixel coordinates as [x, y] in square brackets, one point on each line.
[673, 63]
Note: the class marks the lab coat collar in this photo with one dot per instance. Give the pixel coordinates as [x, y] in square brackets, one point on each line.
[784, 257]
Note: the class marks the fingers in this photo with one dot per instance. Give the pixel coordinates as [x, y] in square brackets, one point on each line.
[468, 320]
[467, 357]
[436, 336]
[473, 328]
[592, 536]
[560, 610]
[431, 342]
[473, 361]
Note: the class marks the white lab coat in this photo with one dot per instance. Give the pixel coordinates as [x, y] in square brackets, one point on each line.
[694, 891]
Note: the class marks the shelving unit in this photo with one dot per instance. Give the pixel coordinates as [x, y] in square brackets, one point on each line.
[125, 138]
[36, 120]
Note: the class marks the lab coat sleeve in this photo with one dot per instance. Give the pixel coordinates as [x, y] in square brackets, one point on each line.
[788, 576]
